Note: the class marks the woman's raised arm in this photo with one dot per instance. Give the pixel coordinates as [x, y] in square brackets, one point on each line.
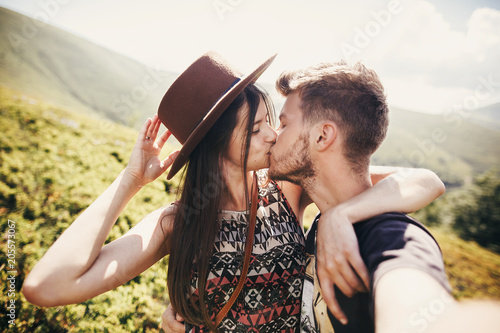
[77, 266]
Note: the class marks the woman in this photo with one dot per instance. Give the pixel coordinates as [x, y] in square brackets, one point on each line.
[223, 122]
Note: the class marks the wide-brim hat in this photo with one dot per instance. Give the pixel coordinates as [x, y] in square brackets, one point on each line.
[198, 97]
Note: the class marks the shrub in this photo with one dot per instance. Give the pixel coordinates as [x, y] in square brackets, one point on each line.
[477, 214]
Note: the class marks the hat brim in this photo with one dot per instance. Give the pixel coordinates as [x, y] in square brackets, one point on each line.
[211, 117]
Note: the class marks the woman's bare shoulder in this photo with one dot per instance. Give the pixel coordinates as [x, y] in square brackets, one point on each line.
[167, 215]
[291, 191]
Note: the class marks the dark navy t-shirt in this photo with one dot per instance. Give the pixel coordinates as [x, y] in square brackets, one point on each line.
[386, 242]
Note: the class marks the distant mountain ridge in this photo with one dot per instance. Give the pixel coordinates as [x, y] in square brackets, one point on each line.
[488, 116]
[55, 66]
[62, 69]
[454, 147]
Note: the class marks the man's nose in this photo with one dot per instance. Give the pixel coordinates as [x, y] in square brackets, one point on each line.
[272, 135]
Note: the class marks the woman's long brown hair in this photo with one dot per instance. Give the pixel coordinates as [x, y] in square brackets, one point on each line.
[196, 222]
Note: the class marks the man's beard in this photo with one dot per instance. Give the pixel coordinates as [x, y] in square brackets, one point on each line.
[294, 165]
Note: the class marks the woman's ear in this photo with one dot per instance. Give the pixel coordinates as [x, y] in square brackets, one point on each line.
[325, 135]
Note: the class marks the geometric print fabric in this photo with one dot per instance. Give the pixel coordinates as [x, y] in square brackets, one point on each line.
[271, 296]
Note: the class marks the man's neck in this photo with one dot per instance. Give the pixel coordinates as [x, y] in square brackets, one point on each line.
[334, 185]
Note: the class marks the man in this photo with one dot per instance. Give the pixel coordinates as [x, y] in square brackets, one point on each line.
[334, 118]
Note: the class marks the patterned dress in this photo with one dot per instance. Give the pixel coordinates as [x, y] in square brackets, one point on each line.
[271, 297]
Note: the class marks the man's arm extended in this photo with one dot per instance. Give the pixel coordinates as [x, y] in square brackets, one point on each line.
[410, 300]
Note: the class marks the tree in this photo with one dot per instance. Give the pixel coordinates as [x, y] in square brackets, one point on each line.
[477, 214]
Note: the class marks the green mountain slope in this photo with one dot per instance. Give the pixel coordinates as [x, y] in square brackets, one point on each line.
[57, 67]
[53, 164]
[452, 146]
[488, 116]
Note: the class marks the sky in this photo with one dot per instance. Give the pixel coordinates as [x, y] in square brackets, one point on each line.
[431, 55]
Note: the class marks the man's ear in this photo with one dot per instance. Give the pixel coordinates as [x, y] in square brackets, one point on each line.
[325, 135]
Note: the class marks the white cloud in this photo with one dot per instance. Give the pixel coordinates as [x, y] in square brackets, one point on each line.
[433, 66]
[483, 34]
[418, 95]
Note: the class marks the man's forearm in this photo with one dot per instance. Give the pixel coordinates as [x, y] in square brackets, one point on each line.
[406, 191]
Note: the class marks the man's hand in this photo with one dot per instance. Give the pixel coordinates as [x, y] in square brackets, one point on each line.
[171, 321]
[338, 259]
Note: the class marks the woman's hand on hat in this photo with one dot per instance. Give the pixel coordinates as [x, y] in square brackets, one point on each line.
[145, 165]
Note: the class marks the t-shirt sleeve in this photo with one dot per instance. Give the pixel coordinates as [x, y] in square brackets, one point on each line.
[396, 241]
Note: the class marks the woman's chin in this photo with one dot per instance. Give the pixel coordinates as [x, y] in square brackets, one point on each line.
[258, 167]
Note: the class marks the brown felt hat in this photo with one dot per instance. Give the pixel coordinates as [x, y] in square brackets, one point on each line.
[198, 97]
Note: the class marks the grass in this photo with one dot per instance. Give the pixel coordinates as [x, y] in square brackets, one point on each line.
[474, 272]
[53, 164]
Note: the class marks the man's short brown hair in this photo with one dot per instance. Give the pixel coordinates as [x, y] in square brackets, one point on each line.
[352, 96]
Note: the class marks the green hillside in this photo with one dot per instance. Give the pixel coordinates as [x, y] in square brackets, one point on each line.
[453, 147]
[488, 116]
[54, 163]
[62, 69]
